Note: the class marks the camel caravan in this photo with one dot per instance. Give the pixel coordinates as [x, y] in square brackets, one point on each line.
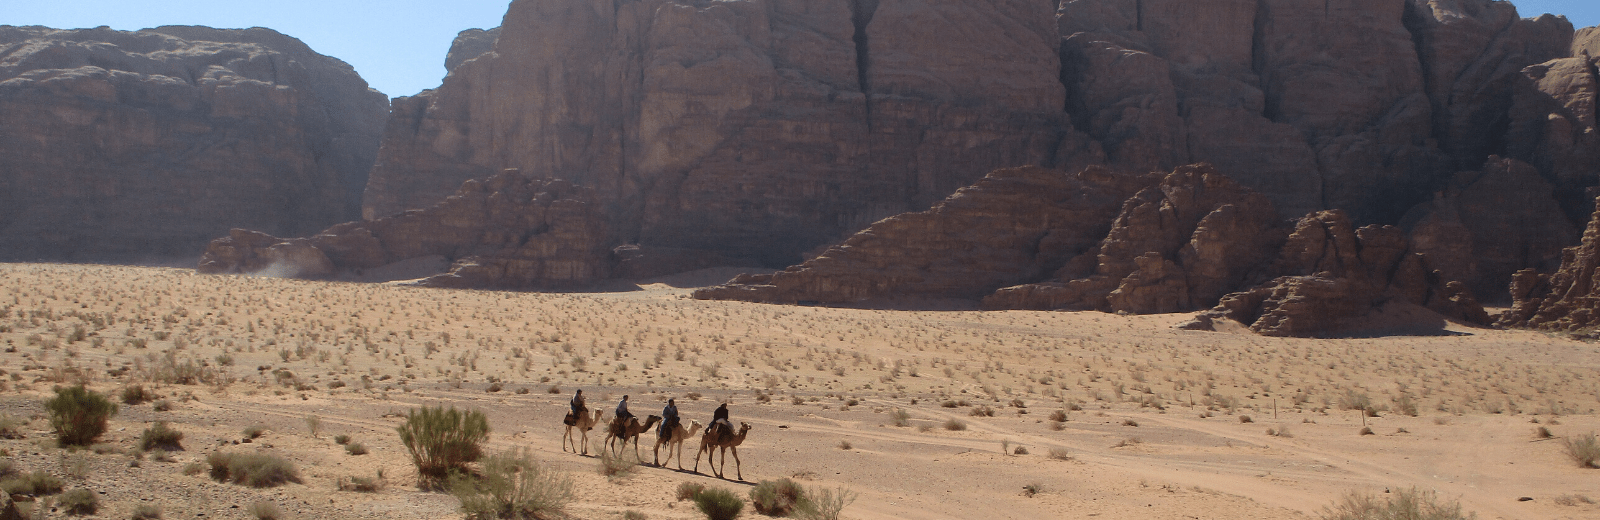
[719, 437]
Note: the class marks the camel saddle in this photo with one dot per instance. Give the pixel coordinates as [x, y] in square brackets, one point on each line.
[721, 431]
[571, 420]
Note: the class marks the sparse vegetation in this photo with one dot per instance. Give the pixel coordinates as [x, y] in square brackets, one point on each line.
[900, 418]
[355, 448]
[615, 465]
[79, 502]
[79, 415]
[258, 470]
[360, 484]
[254, 432]
[845, 445]
[11, 426]
[1405, 503]
[688, 490]
[161, 436]
[314, 426]
[443, 440]
[776, 497]
[513, 485]
[955, 425]
[823, 503]
[1060, 454]
[136, 394]
[718, 504]
[1031, 489]
[37, 483]
[145, 512]
[264, 511]
[1583, 450]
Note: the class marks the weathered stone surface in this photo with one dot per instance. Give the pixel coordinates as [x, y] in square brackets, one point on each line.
[507, 231]
[139, 146]
[1014, 225]
[748, 129]
[1553, 128]
[1486, 225]
[1175, 246]
[1329, 273]
[1568, 299]
[470, 44]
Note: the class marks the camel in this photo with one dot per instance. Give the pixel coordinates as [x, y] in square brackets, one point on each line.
[674, 441]
[718, 438]
[584, 423]
[631, 430]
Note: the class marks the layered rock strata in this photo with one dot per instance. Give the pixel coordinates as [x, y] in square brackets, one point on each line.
[138, 146]
[1569, 298]
[1329, 273]
[1175, 246]
[1013, 226]
[508, 231]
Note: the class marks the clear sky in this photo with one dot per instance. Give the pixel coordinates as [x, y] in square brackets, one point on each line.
[399, 45]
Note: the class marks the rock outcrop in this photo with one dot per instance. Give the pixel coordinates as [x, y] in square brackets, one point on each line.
[1014, 225]
[1568, 299]
[138, 146]
[1329, 273]
[470, 44]
[1553, 126]
[1176, 246]
[507, 232]
[1488, 224]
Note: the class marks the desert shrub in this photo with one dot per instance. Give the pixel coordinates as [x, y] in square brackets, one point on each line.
[1583, 449]
[79, 502]
[688, 490]
[981, 411]
[355, 448]
[11, 426]
[1542, 433]
[36, 484]
[1130, 422]
[955, 425]
[136, 394]
[633, 515]
[1032, 488]
[161, 436]
[145, 512]
[251, 469]
[776, 497]
[718, 504]
[1366, 431]
[443, 440]
[194, 468]
[1281, 431]
[1058, 416]
[264, 511]
[1407, 503]
[615, 465]
[253, 432]
[341, 439]
[1060, 454]
[513, 485]
[823, 503]
[8, 468]
[900, 417]
[1573, 500]
[1405, 405]
[845, 445]
[79, 415]
[1245, 419]
[314, 426]
[360, 484]
[162, 406]
[1019, 450]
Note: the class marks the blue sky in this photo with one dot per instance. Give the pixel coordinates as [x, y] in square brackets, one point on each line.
[398, 46]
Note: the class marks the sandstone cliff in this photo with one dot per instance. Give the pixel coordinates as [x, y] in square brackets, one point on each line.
[745, 129]
[134, 146]
[1014, 225]
[507, 231]
[1568, 299]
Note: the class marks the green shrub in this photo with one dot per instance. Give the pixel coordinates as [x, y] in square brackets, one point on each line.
[79, 502]
[442, 441]
[776, 497]
[1408, 504]
[1583, 449]
[36, 484]
[900, 417]
[823, 504]
[145, 512]
[251, 469]
[687, 490]
[718, 504]
[79, 415]
[513, 485]
[161, 436]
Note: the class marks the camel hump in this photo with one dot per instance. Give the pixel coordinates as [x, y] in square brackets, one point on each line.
[571, 420]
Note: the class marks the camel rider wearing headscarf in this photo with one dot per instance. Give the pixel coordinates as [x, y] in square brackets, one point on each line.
[578, 405]
[720, 415]
[669, 419]
[622, 410]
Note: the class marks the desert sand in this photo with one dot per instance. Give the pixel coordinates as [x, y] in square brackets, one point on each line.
[1160, 423]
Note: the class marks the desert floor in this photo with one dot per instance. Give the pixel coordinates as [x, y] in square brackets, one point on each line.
[1160, 422]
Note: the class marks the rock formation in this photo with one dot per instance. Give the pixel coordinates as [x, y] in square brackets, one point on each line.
[470, 44]
[1486, 225]
[1553, 124]
[507, 231]
[1176, 246]
[135, 146]
[1013, 226]
[1568, 299]
[1329, 273]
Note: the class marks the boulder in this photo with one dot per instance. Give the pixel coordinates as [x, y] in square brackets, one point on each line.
[506, 232]
[140, 146]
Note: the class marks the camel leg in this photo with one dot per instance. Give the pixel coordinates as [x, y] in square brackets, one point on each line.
[736, 468]
[697, 457]
[723, 468]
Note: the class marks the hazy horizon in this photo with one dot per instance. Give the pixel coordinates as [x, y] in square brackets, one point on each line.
[400, 48]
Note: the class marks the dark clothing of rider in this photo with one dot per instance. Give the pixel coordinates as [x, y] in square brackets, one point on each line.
[720, 415]
[622, 410]
[578, 406]
[669, 419]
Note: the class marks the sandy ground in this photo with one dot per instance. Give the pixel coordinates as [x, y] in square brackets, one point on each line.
[1160, 423]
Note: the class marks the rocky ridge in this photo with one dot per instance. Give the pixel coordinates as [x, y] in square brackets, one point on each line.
[139, 146]
[508, 231]
[1569, 298]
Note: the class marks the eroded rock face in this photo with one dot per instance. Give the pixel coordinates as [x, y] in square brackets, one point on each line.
[508, 232]
[1329, 273]
[470, 44]
[1175, 246]
[1553, 127]
[135, 146]
[1014, 225]
[1565, 299]
[1488, 224]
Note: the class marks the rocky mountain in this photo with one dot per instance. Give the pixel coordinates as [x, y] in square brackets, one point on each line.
[766, 130]
[1567, 299]
[508, 231]
[136, 146]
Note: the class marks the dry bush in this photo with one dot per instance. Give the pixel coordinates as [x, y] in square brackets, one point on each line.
[79, 502]
[1573, 500]
[355, 448]
[264, 511]
[899, 417]
[513, 484]
[11, 426]
[251, 469]
[1245, 419]
[955, 425]
[1406, 503]
[615, 465]
[1130, 422]
[253, 432]
[1583, 450]
[688, 490]
[823, 503]
[776, 497]
[1031, 489]
[1060, 454]
[136, 394]
[79, 415]
[718, 504]
[981, 411]
[1059, 416]
[145, 512]
[442, 441]
[1130, 441]
[360, 484]
[314, 426]
[161, 436]
[38, 483]
[1281, 431]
